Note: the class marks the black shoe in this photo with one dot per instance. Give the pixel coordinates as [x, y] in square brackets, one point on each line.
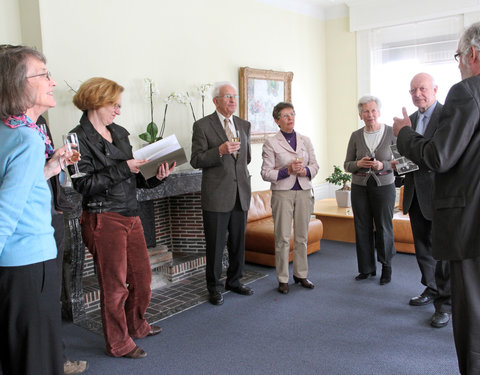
[363, 276]
[283, 288]
[386, 275]
[242, 289]
[440, 319]
[303, 282]
[216, 299]
[421, 300]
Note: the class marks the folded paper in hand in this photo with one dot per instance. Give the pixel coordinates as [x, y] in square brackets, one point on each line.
[165, 150]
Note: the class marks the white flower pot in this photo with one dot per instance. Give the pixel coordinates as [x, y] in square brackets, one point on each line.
[343, 198]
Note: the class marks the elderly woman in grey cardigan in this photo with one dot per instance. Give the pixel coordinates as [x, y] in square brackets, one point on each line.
[373, 190]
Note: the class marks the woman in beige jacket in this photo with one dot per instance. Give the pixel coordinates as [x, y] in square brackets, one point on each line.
[289, 164]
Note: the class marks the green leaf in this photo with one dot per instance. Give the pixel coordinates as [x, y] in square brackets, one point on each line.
[150, 135]
[152, 129]
[145, 137]
[338, 177]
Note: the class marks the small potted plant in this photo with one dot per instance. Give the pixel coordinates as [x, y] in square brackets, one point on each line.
[340, 178]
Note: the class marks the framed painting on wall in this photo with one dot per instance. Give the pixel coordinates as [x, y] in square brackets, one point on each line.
[260, 91]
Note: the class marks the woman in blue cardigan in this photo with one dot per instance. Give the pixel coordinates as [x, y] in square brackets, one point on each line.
[30, 341]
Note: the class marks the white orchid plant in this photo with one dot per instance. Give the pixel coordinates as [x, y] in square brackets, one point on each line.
[154, 134]
[203, 90]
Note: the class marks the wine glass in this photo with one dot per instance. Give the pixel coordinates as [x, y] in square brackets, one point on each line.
[301, 156]
[43, 128]
[70, 140]
[371, 155]
[235, 138]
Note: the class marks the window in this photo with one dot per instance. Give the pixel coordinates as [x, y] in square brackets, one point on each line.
[397, 53]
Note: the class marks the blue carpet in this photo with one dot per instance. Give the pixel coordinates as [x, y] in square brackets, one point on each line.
[341, 327]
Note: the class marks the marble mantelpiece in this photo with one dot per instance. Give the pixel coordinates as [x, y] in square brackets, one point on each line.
[177, 183]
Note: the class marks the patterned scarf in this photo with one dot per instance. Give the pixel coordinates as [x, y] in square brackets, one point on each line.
[24, 120]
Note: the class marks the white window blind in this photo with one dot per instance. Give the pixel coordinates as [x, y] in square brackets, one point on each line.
[397, 53]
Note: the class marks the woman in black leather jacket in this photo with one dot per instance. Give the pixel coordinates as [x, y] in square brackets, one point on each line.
[111, 227]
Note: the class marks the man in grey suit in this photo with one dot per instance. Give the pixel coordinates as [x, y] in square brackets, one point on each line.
[453, 154]
[221, 148]
[417, 202]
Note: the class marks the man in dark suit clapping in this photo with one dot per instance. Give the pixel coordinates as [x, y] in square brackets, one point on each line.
[221, 148]
[453, 154]
[417, 202]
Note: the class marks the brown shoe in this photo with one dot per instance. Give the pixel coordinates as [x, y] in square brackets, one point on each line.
[283, 288]
[136, 353]
[154, 330]
[304, 282]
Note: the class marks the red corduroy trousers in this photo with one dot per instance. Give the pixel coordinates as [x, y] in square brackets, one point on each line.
[118, 246]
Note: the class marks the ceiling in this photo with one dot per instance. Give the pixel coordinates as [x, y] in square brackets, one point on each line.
[316, 8]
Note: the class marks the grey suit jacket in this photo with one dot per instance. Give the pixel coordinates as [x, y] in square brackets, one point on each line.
[453, 153]
[421, 181]
[222, 176]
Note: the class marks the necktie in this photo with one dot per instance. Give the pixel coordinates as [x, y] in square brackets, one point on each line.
[229, 134]
[421, 124]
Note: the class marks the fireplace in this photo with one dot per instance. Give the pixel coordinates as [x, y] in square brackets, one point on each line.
[171, 216]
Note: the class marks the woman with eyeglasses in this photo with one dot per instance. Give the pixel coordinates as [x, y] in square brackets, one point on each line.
[368, 159]
[30, 321]
[111, 227]
[289, 165]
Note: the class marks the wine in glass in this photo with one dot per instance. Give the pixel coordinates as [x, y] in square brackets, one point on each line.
[235, 138]
[301, 156]
[70, 140]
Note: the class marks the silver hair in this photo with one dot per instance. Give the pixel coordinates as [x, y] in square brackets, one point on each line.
[470, 37]
[367, 99]
[218, 85]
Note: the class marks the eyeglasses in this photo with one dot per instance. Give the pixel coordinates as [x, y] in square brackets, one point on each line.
[413, 91]
[47, 75]
[458, 54]
[228, 96]
[117, 106]
[288, 115]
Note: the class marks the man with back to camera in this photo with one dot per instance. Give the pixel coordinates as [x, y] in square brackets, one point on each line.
[221, 148]
[417, 202]
[453, 154]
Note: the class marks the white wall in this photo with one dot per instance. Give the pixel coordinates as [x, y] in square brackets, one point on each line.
[10, 25]
[342, 113]
[181, 44]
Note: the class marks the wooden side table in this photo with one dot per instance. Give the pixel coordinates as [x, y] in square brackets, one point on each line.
[338, 225]
[337, 221]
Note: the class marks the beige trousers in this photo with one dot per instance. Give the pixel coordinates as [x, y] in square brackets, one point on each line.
[288, 206]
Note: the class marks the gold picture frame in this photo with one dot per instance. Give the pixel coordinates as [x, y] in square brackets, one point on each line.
[260, 91]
